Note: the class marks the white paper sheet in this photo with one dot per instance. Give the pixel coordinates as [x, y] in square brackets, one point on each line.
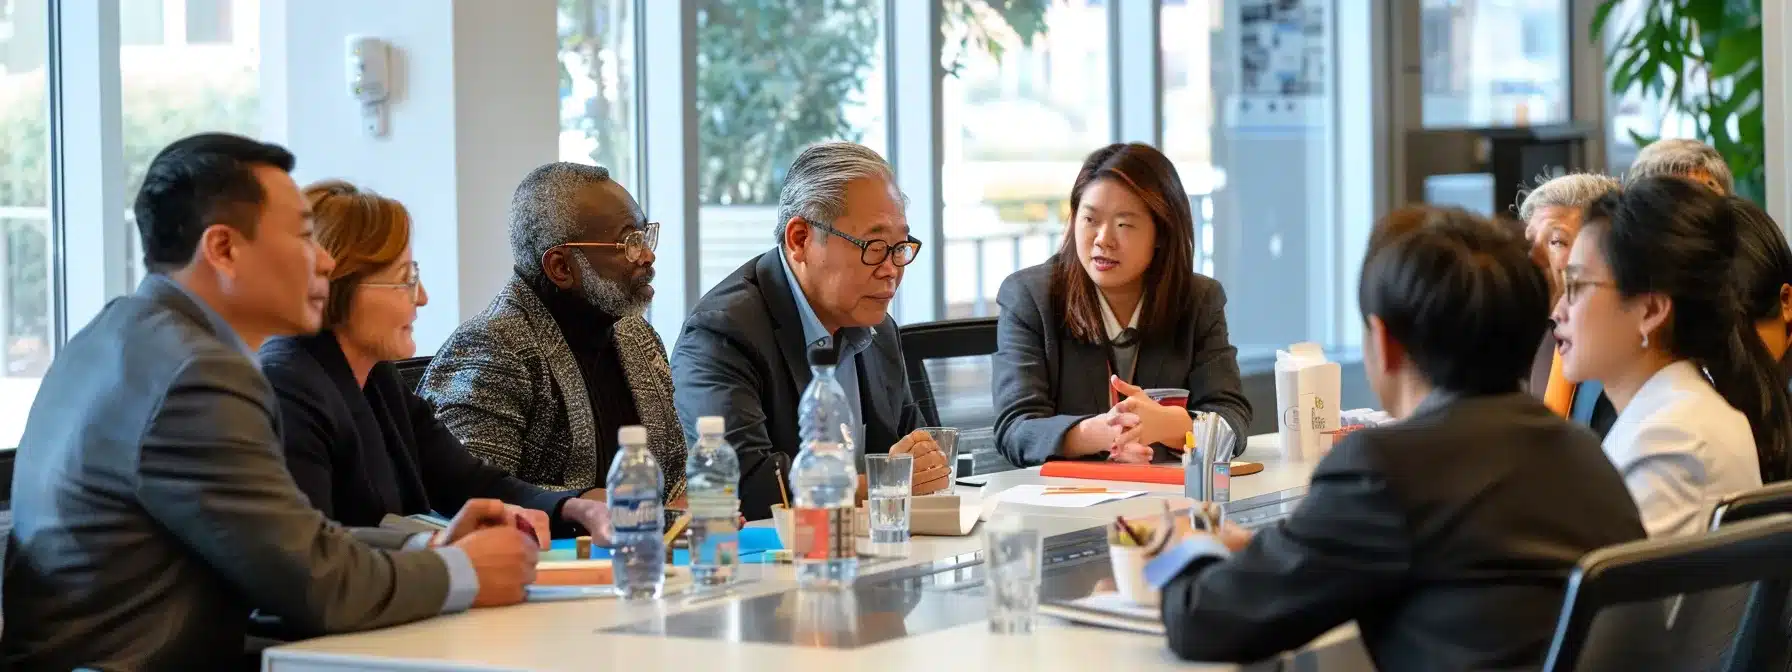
[1034, 495]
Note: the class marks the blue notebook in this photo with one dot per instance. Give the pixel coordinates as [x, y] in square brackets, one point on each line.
[753, 541]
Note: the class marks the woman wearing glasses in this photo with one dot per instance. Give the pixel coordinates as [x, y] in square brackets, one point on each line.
[1702, 409]
[1118, 311]
[358, 441]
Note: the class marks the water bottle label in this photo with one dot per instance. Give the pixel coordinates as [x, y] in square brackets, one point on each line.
[824, 533]
[637, 514]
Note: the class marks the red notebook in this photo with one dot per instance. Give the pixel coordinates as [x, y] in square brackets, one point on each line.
[1108, 471]
[1169, 474]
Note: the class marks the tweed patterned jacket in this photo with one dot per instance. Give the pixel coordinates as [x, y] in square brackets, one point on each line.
[507, 385]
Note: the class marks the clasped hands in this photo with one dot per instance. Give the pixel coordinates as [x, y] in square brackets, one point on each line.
[1133, 425]
[932, 474]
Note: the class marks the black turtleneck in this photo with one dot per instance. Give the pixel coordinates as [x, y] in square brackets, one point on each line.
[590, 334]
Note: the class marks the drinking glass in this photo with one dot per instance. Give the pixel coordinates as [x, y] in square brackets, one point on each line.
[947, 438]
[1013, 555]
[888, 483]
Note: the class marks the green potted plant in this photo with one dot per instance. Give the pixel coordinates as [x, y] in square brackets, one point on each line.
[1703, 59]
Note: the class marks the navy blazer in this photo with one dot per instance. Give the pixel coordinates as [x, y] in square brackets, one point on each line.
[742, 357]
[1045, 381]
[361, 453]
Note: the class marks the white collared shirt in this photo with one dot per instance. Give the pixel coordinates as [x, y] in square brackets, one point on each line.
[1681, 447]
[1125, 357]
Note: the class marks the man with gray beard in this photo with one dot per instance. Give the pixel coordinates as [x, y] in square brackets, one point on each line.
[539, 383]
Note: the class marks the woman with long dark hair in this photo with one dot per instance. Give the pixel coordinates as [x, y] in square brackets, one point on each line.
[1118, 310]
[1647, 311]
[1764, 275]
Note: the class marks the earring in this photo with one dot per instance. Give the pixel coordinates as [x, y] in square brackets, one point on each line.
[1645, 340]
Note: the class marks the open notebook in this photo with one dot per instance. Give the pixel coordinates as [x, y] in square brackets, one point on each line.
[1107, 610]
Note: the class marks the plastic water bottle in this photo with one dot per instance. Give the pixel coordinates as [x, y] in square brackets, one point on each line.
[711, 480]
[823, 480]
[635, 484]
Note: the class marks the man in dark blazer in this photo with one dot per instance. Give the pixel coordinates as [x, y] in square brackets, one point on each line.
[151, 508]
[843, 240]
[1447, 537]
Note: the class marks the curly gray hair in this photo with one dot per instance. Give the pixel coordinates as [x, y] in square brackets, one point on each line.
[1679, 157]
[1573, 190]
[542, 211]
[815, 188]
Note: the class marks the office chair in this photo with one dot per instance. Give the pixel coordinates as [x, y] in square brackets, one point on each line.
[947, 339]
[1632, 590]
[411, 370]
[1765, 641]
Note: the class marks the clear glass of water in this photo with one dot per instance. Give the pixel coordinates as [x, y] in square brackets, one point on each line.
[947, 438]
[889, 480]
[1013, 557]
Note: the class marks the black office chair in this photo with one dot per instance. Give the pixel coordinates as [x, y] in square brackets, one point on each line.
[947, 339]
[1631, 589]
[1765, 641]
[411, 370]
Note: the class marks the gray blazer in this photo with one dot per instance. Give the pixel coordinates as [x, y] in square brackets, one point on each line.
[509, 388]
[1045, 381]
[152, 508]
[742, 356]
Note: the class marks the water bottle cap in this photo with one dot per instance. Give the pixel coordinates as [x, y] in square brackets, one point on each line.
[823, 354]
[632, 435]
[709, 424]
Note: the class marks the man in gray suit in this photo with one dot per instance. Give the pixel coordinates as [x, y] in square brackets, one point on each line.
[843, 241]
[151, 507]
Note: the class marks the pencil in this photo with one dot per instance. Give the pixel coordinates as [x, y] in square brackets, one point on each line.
[782, 494]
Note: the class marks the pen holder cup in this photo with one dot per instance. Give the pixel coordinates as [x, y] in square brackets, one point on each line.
[1129, 574]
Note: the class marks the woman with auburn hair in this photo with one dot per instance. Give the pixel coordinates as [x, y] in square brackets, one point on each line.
[1117, 311]
[358, 441]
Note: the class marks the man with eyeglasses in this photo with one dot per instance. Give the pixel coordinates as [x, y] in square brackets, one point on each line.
[843, 242]
[539, 383]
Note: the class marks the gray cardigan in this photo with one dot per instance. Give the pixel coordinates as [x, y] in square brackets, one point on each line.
[1045, 381]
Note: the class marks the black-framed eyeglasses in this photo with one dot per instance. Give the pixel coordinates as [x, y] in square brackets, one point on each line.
[413, 281]
[635, 244]
[874, 252]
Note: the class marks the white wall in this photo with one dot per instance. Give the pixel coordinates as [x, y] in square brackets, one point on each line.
[474, 108]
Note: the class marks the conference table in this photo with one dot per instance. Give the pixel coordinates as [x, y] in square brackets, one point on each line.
[905, 613]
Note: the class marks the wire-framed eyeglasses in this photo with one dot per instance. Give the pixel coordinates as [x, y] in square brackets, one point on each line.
[634, 245]
[413, 281]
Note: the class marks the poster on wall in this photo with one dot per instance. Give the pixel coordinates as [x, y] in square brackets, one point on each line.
[1283, 52]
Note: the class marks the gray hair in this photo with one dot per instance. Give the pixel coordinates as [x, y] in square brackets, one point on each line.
[1574, 190]
[1679, 157]
[542, 213]
[815, 188]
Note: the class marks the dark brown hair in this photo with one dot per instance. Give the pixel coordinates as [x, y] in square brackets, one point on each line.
[1171, 275]
[363, 231]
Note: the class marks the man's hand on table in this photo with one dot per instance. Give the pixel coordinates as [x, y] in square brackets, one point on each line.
[478, 514]
[504, 560]
[932, 474]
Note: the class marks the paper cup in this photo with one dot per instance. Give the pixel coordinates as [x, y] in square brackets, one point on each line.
[1129, 575]
[1169, 396]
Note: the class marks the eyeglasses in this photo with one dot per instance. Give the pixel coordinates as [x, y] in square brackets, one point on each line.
[1572, 288]
[635, 245]
[413, 280]
[874, 252]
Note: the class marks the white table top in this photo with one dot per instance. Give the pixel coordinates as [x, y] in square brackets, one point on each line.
[566, 635]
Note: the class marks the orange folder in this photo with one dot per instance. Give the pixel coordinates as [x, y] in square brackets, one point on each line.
[1168, 474]
[1108, 471]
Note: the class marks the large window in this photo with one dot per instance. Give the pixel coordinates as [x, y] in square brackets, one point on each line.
[1026, 96]
[27, 300]
[1494, 62]
[774, 76]
[598, 122]
[185, 66]
[1250, 119]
